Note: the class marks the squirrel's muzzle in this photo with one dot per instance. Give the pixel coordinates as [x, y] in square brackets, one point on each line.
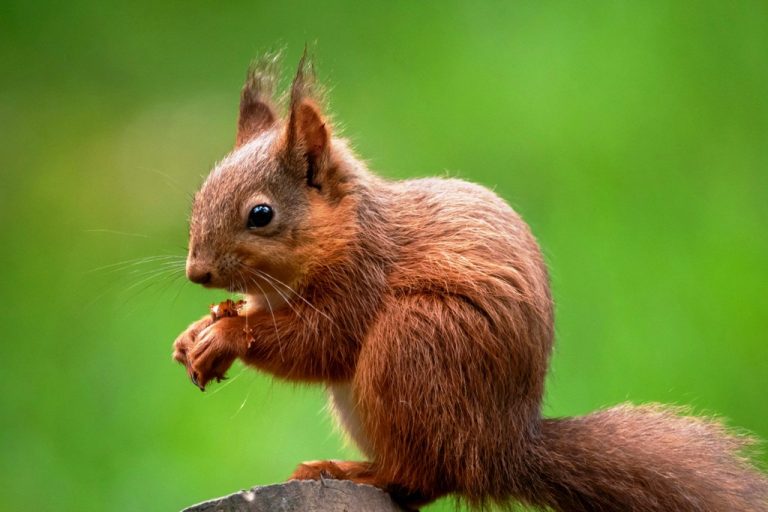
[198, 273]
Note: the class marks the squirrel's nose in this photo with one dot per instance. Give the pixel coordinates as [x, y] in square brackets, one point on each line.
[199, 274]
[200, 278]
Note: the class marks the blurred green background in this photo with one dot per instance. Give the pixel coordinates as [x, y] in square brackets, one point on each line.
[633, 137]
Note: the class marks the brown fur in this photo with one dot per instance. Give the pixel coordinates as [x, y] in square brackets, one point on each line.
[424, 305]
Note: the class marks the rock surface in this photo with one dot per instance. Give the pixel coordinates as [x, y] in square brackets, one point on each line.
[303, 495]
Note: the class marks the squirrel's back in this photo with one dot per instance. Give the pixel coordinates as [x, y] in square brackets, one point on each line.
[463, 236]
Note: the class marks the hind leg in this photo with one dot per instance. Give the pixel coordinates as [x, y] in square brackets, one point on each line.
[360, 473]
[434, 396]
[433, 392]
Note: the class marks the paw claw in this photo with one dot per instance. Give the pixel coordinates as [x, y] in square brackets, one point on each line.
[208, 350]
[193, 377]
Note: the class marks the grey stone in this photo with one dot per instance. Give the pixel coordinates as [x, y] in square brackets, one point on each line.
[304, 495]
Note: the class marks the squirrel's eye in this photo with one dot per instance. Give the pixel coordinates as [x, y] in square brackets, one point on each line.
[260, 215]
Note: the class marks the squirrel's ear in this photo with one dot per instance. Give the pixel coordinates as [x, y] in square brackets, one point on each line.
[308, 135]
[256, 107]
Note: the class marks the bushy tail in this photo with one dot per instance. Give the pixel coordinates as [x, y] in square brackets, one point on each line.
[647, 458]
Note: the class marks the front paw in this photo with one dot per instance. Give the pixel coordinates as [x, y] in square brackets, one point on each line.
[216, 348]
[188, 339]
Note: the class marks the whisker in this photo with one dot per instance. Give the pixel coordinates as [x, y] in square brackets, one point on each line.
[149, 281]
[297, 294]
[144, 272]
[228, 381]
[247, 396]
[285, 298]
[181, 288]
[122, 265]
[148, 276]
[277, 290]
[244, 286]
[269, 279]
[271, 312]
[171, 182]
[144, 276]
[167, 266]
[170, 279]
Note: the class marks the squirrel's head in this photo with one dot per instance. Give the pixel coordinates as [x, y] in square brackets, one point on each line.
[281, 201]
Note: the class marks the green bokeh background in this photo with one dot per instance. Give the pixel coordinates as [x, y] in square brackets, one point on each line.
[633, 137]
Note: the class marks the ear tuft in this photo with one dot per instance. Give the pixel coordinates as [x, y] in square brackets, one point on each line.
[256, 105]
[308, 135]
[304, 83]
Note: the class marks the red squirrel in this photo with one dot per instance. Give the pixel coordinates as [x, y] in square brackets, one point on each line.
[424, 307]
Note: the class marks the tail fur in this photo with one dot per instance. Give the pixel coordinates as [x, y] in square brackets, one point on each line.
[647, 458]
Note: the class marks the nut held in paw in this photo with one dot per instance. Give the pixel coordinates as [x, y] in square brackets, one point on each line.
[226, 308]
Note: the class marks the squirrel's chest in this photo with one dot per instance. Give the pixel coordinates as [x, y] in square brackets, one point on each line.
[343, 404]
